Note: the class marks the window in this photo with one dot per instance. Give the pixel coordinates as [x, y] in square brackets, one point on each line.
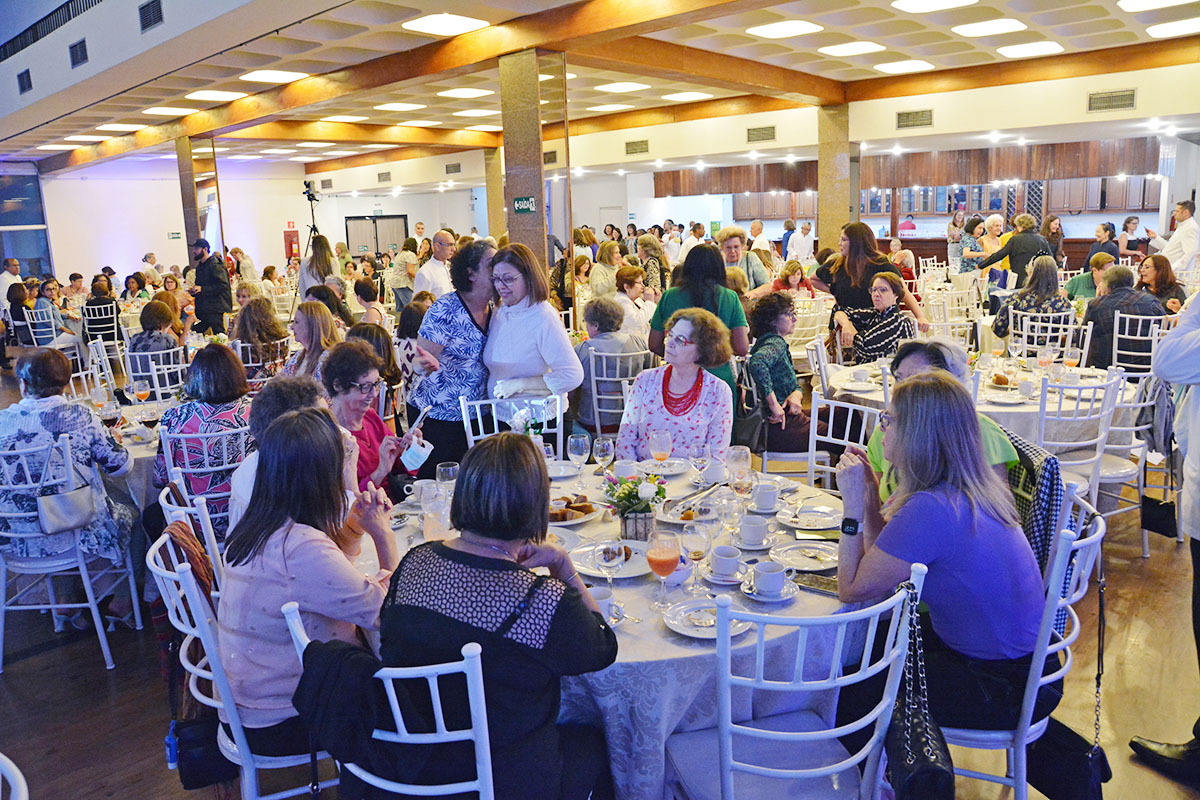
[23, 224]
[20, 201]
[24, 81]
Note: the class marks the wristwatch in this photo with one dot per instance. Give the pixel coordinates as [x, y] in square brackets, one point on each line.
[849, 526]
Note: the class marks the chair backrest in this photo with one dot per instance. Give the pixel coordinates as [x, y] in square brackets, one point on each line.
[471, 668]
[609, 373]
[1134, 338]
[818, 360]
[849, 660]
[102, 354]
[24, 470]
[1074, 422]
[1065, 275]
[41, 325]
[1132, 396]
[197, 462]
[263, 365]
[480, 420]
[885, 374]
[962, 331]
[164, 370]
[195, 514]
[849, 425]
[568, 318]
[391, 397]
[99, 321]
[10, 774]
[285, 304]
[1034, 330]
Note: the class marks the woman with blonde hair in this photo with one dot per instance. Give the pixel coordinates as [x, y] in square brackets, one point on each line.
[580, 241]
[603, 276]
[179, 326]
[316, 334]
[649, 250]
[737, 282]
[317, 267]
[951, 512]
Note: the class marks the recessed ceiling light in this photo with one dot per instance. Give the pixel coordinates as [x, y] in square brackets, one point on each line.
[851, 49]
[620, 87]
[544, 77]
[477, 112]
[902, 67]
[169, 111]
[570, 75]
[304, 158]
[1154, 123]
[1021, 141]
[485, 128]
[85, 138]
[399, 107]
[272, 76]
[784, 30]
[378, 146]
[340, 153]
[244, 158]
[1034, 49]
[991, 27]
[752, 155]
[444, 24]
[700, 165]
[1148, 5]
[119, 126]
[420, 123]
[212, 95]
[995, 136]
[61, 147]
[621, 172]
[897, 150]
[543, 102]
[1179, 28]
[579, 171]
[466, 93]
[658, 162]
[342, 118]
[314, 144]
[610, 107]
[277, 152]
[926, 6]
[686, 97]
[1170, 130]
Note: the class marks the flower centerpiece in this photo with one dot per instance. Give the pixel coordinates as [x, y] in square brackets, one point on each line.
[577, 337]
[1080, 304]
[634, 500]
[218, 338]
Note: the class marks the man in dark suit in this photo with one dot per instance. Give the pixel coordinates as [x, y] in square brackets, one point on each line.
[213, 296]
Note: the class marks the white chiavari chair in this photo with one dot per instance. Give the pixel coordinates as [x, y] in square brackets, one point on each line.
[480, 420]
[11, 776]
[610, 372]
[568, 318]
[46, 334]
[164, 370]
[100, 323]
[818, 361]
[848, 425]
[104, 355]
[1134, 337]
[195, 513]
[1073, 424]
[263, 362]
[196, 462]
[285, 305]
[471, 668]
[963, 331]
[1033, 330]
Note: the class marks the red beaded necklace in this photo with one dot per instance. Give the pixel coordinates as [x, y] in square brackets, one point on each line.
[679, 404]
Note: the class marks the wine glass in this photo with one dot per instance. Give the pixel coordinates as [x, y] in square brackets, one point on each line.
[738, 458]
[744, 482]
[730, 510]
[141, 390]
[662, 552]
[446, 474]
[1045, 356]
[99, 397]
[610, 556]
[578, 448]
[1071, 357]
[696, 541]
[603, 450]
[699, 455]
[1014, 346]
[660, 445]
[110, 414]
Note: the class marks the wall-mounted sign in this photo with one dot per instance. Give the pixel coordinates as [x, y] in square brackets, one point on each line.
[174, 235]
[525, 205]
[362, 248]
[378, 212]
[714, 227]
[291, 226]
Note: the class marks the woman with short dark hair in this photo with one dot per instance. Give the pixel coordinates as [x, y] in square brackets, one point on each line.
[1156, 277]
[326, 297]
[1106, 242]
[534, 629]
[368, 297]
[772, 319]
[135, 288]
[155, 335]
[883, 327]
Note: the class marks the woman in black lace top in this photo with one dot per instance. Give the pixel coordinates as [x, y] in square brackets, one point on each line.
[533, 629]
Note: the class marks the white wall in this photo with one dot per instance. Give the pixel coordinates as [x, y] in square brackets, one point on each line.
[454, 209]
[257, 203]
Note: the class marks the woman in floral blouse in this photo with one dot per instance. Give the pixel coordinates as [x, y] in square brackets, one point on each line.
[691, 404]
[1040, 295]
[41, 416]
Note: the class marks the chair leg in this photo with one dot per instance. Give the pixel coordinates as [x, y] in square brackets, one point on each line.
[1020, 779]
[3, 607]
[134, 600]
[249, 782]
[54, 615]
[1145, 544]
[97, 619]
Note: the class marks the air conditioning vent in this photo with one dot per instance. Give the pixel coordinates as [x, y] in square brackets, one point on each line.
[212, 197]
[326, 184]
[24, 81]
[150, 14]
[638, 148]
[383, 177]
[914, 119]
[763, 134]
[1119, 100]
[550, 157]
[78, 53]
[454, 169]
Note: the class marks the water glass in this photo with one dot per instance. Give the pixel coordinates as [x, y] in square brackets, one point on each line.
[603, 450]
[699, 455]
[446, 474]
[610, 556]
[731, 511]
[744, 482]
[578, 448]
[738, 458]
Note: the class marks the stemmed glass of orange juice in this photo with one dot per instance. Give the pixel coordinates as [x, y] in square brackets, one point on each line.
[660, 445]
[141, 390]
[662, 552]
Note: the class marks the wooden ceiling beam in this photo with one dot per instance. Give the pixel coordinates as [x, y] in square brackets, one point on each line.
[380, 157]
[355, 133]
[664, 115]
[667, 61]
[588, 23]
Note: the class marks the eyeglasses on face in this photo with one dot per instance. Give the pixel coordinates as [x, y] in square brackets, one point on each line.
[885, 419]
[506, 281]
[368, 388]
[679, 339]
[880, 289]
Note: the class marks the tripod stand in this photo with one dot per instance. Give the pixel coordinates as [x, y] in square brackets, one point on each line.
[312, 229]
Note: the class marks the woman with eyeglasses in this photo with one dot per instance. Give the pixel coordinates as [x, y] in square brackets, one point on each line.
[772, 319]
[351, 377]
[882, 328]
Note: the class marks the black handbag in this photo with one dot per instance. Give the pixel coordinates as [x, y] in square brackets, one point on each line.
[1062, 764]
[191, 744]
[749, 424]
[1159, 516]
[919, 764]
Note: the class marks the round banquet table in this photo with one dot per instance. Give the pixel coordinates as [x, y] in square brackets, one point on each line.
[663, 682]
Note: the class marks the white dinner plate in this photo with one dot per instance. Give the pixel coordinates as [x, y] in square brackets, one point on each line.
[562, 537]
[766, 544]
[1004, 398]
[665, 468]
[561, 469]
[697, 618]
[584, 559]
[780, 504]
[810, 517]
[806, 556]
[673, 516]
[580, 520]
[790, 590]
[859, 386]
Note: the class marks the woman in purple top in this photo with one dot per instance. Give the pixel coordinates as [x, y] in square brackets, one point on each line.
[952, 513]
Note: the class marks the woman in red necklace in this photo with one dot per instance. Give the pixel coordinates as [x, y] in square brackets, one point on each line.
[682, 398]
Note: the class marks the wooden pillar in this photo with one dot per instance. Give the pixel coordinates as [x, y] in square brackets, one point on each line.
[187, 190]
[493, 171]
[894, 228]
[524, 186]
[837, 172]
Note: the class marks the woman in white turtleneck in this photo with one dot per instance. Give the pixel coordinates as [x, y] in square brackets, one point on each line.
[636, 300]
[528, 352]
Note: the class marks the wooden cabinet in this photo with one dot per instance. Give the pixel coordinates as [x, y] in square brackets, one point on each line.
[1134, 186]
[806, 206]
[1115, 193]
[1091, 193]
[744, 206]
[1074, 195]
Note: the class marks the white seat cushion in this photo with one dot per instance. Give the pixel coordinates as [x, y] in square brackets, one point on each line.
[694, 759]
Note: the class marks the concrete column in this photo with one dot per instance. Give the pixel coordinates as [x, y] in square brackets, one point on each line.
[837, 172]
[524, 186]
[493, 181]
[187, 189]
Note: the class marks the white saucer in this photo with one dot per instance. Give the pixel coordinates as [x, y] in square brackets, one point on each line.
[723, 580]
[859, 386]
[561, 469]
[780, 503]
[767, 543]
[790, 590]
[566, 539]
[810, 518]
[665, 468]
[1006, 399]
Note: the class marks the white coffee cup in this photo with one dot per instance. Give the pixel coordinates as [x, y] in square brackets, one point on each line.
[766, 497]
[860, 375]
[624, 468]
[416, 487]
[603, 597]
[753, 531]
[715, 472]
[1026, 388]
[768, 578]
[724, 559]
[1072, 377]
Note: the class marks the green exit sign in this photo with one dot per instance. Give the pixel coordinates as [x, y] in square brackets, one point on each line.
[525, 205]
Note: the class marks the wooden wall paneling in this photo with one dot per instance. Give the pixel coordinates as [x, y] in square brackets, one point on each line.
[1092, 194]
[1115, 193]
[1134, 187]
